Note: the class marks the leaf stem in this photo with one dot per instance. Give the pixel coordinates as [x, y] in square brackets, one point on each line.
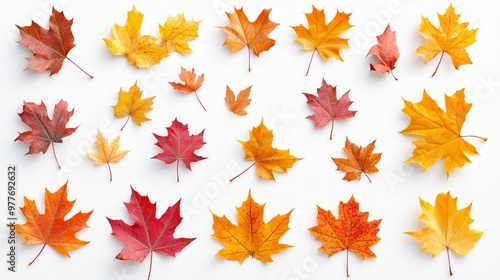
[232, 179]
[439, 63]
[150, 265]
[196, 94]
[91, 76]
[45, 244]
[110, 174]
[392, 73]
[449, 262]
[367, 177]
[55, 156]
[177, 170]
[249, 69]
[121, 129]
[331, 131]
[310, 61]
[347, 263]
[475, 136]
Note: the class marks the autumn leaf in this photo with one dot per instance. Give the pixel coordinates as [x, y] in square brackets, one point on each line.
[321, 37]
[179, 145]
[49, 46]
[238, 104]
[386, 51]
[191, 83]
[45, 131]
[176, 33]
[148, 234]
[446, 227]
[452, 37]
[327, 108]
[440, 131]
[131, 104]
[107, 152]
[359, 160]
[142, 51]
[351, 231]
[252, 236]
[53, 228]
[253, 35]
[266, 158]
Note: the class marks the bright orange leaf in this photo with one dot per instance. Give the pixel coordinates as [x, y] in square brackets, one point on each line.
[191, 83]
[131, 104]
[238, 104]
[359, 160]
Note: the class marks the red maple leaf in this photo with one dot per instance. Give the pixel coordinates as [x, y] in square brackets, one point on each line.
[45, 131]
[148, 234]
[386, 51]
[327, 107]
[179, 145]
[49, 46]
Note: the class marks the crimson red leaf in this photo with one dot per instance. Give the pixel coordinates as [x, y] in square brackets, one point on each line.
[386, 51]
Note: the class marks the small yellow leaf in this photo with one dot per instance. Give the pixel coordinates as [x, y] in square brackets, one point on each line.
[107, 152]
[130, 104]
[176, 33]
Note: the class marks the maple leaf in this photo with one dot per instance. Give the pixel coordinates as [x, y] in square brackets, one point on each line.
[107, 152]
[321, 37]
[45, 131]
[266, 158]
[351, 231]
[252, 237]
[386, 51]
[176, 33]
[191, 83]
[148, 234]
[440, 131]
[446, 227]
[359, 160]
[253, 35]
[452, 38]
[238, 105]
[49, 46]
[52, 227]
[131, 104]
[142, 51]
[179, 145]
[327, 107]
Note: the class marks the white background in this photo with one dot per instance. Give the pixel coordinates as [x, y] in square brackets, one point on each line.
[277, 80]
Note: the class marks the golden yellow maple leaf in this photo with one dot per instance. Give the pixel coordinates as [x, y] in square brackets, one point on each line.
[131, 104]
[266, 158]
[252, 236]
[142, 51]
[440, 131]
[446, 227]
[321, 37]
[177, 32]
[107, 152]
[452, 38]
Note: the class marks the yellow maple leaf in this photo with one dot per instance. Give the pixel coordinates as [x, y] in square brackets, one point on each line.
[130, 104]
[266, 158]
[142, 51]
[446, 227]
[452, 38]
[252, 237]
[107, 152]
[441, 131]
[177, 32]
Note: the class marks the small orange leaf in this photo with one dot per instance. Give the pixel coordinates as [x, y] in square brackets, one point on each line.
[238, 105]
[191, 83]
[359, 160]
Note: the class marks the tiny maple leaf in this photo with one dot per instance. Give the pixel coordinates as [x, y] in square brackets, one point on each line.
[386, 51]
[238, 105]
[359, 160]
[440, 131]
[452, 38]
[252, 237]
[107, 152]
[266, 158]
[321, 37]
[191, 83]
[49, 46]
[131, 104]
[142, 51]
[45, 131]
[446, 227]
[253, 35]
[148, 234]
[176, 33]
[327, 107]
[179, 145]
[53, 228]
[351, 231]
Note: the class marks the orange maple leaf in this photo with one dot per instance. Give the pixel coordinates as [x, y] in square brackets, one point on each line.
[191, 83]
[253, 35]
[238, 104]
[252, 237]
[359, 160]
[351, 231]
[51, 228]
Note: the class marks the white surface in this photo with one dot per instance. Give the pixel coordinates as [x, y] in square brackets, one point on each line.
[277, 80]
